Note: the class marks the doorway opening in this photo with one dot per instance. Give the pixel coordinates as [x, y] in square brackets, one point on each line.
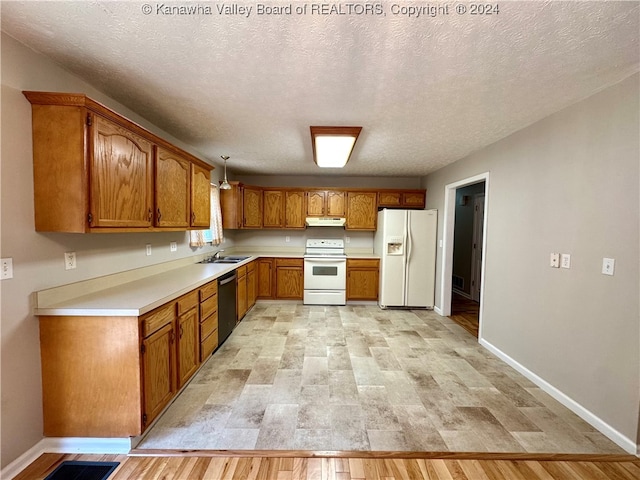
[464, 242]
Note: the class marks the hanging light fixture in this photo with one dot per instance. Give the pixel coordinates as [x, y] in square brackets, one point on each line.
[225, 185]
[332, 146]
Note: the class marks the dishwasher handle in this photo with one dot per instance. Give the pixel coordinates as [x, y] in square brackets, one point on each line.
[227, 279]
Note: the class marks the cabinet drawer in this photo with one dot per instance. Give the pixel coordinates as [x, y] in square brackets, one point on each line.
[208, 290]
[208, 345]
[187, 302]
[251, 266]
[362, 263]
[209, 306]
[289, 262]
[158, 319]
[209, 325]
[241, 271]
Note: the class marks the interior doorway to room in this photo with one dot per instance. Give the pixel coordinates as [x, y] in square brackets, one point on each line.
[463, 254]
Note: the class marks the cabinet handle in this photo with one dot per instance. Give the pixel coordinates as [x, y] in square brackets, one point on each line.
[193, 217]
[150, 214]
[181, 331]
[159, 214]
[172, 337]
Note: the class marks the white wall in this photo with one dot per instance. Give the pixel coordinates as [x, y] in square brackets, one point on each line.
[38, 257]
[570, 184]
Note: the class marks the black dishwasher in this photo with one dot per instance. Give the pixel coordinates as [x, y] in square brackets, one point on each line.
[226, 305]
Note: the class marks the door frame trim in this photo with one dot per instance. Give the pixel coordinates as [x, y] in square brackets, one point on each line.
[447, 243]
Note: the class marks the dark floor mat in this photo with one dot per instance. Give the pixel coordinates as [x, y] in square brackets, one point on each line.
[73, 470]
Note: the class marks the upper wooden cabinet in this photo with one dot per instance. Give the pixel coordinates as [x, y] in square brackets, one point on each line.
[231, 206]
[295, 208]
[173, 186]
[95, 171]
[362, 210]
[273, 209]
[252, 207]
[200, 197]
[402, 199]
[325, 203]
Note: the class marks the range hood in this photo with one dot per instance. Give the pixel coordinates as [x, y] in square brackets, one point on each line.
[325, 221]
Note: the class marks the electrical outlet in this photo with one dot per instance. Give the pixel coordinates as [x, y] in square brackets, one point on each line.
[554, 260]
[608, 266]
[173, 246]
[7, 269]
[69, 260]
[148, 249]
[347, 239]
[565, 260]
[287, 239]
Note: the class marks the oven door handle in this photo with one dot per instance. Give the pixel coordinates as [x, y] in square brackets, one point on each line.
[325, 260]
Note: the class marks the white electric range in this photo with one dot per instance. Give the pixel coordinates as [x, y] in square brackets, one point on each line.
[325, 272]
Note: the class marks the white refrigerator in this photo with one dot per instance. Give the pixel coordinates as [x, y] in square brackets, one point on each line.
[406, 243]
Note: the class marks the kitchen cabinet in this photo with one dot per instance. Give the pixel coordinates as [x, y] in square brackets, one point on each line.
[325, 203]
[158, 364]
[289, 283]
[200, 197]
[241, 292]
[402, 199]
[295, 209]
[363, 279]
[252, 207]
[273, 209]
[231, 206]
[362, 210]
[94, 170]
[173, 188]
[252, 285]
[188, 333]
[208, 319]
[265, 274]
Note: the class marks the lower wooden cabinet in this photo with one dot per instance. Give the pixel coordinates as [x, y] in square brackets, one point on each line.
[252, 284]
[188, 334]
[265, 278]
[363, 279]
[241, 292]
[289, 278]
[158, 360]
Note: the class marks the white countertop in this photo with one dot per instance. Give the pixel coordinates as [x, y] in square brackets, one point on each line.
[140, 296]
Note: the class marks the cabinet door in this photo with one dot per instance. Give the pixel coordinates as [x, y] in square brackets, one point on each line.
[188, 345]
[289, 279]
[414, 199]
[252, 207]
[316, 203]
[362, 210]
[173, 188]
[335, 204]
[273, 204]
[200, 197]
[265, 278]
[121, 180]
[390, 199]
[158, 371]
[252, 287]
[231, 206]
[241, 297]
[294, 209]
[362, 279]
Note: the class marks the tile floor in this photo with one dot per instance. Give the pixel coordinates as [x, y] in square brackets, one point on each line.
[295, 377]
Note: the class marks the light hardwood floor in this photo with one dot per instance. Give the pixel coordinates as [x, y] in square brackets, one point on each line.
[199, 466]
[465, 312]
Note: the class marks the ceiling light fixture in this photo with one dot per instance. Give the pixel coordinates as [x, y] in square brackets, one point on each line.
[332, 146]
[225, 185]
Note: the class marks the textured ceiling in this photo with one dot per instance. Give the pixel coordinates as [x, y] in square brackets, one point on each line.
[427, 90]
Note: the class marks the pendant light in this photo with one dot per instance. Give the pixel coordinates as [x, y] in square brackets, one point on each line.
[225, 185]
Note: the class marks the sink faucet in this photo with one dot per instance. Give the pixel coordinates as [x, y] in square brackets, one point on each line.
[217, 254]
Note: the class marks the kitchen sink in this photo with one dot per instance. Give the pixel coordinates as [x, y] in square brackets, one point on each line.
[229, 259]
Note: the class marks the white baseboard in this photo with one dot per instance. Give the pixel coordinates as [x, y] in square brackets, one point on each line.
[115, 446]
[615, 436]
[461, 293]
[438, 310]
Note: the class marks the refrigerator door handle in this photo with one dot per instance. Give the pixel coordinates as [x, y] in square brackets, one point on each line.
[407, 256]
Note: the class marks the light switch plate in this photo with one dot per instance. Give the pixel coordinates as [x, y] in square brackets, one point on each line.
[173, 246]
[554, 260]
[608, 266]
[148, 249]
[565, 260]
